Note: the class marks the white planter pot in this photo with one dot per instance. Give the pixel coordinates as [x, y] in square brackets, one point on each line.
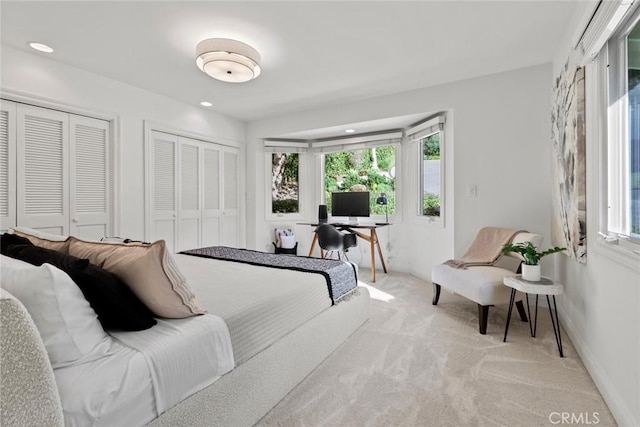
[531, 272]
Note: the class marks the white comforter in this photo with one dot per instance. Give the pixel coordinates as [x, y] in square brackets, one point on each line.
[184, 355]
[146, 372]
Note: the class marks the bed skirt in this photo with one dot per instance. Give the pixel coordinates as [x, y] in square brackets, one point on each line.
[243, 396]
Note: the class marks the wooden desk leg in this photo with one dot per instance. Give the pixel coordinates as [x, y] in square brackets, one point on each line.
[313, 243]
[372, 236]
[384, 266]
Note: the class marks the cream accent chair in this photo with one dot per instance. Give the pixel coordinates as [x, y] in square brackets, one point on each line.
[484, 285]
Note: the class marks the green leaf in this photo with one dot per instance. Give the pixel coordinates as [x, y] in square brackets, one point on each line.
[529, 251]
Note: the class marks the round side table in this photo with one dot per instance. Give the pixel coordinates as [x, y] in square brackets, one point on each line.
[545, 286]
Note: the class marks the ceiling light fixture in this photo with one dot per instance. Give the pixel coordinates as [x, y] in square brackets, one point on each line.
[349, 130]
[228, 60]
[41, 47]
[206, 104]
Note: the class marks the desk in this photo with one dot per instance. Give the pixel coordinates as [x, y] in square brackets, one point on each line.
[372, 238]
[544, 286]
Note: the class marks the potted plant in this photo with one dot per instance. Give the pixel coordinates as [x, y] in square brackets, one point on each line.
[531, 265]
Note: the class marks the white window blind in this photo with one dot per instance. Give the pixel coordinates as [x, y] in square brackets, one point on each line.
[606, 18]
[285, 146]
[426, 128]
[332, 145]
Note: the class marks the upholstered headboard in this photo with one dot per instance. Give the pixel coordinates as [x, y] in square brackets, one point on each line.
[28, 392]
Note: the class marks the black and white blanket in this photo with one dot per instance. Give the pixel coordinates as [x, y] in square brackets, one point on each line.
[341, 276]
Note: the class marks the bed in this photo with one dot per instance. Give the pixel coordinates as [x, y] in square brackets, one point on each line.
[275, 348]
[281, 323]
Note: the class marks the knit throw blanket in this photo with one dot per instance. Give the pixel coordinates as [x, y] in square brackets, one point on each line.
[341, 276]
[485, 249]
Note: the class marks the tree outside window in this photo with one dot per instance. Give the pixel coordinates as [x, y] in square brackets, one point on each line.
[369, 169]
[430, 179]
[284, 183]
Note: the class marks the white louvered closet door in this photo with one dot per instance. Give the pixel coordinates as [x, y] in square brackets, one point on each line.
[190, 213]
[164, 205]
[89, 179]
[42, 162]
[230, 208]
[7, 164]
[211, 192]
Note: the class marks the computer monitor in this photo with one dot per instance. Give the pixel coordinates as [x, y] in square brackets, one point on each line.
[352, 204]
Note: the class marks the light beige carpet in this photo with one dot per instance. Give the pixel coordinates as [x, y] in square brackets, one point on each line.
[414, 364]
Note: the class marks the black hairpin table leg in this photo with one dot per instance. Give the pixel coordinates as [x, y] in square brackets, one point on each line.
[556, 323]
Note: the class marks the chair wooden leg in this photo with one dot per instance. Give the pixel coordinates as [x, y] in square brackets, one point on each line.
[483, 316]
[436, 294]
[521, 312]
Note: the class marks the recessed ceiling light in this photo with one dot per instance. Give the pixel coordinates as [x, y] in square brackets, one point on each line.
[41, 47]
[206, 104]
[349, 130]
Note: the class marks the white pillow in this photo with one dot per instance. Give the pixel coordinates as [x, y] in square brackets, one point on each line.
[67, 324]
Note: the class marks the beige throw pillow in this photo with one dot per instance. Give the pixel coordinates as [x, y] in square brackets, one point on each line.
[148, 269]
[44, 240]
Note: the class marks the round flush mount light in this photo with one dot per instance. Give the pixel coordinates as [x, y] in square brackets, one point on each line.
[349, 130]
[206, 104]
[228, 60]
[41, 47]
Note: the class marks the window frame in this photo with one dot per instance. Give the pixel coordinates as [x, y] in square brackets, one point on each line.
[415, 135]
[302, 159]
[612, 155]
[393, 217]
[430, 218]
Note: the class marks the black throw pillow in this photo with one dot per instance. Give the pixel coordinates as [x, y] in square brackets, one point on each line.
[37, 255]
[115, 304]
[7, 240]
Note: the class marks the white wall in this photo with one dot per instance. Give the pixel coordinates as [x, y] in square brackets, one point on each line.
[42, 78]
[600, 309]
[498, 130]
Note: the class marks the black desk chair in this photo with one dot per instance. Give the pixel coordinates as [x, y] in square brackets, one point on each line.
[332, 240]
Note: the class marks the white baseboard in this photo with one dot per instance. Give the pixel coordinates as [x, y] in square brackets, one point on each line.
[623, 415]
[419, 274]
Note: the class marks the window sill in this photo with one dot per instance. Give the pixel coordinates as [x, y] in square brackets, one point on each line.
[373, 219]
[431, 221]
[284, 217]
[619, 253]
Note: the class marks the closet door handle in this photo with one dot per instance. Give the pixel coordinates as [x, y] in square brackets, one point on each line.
[74, 220]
